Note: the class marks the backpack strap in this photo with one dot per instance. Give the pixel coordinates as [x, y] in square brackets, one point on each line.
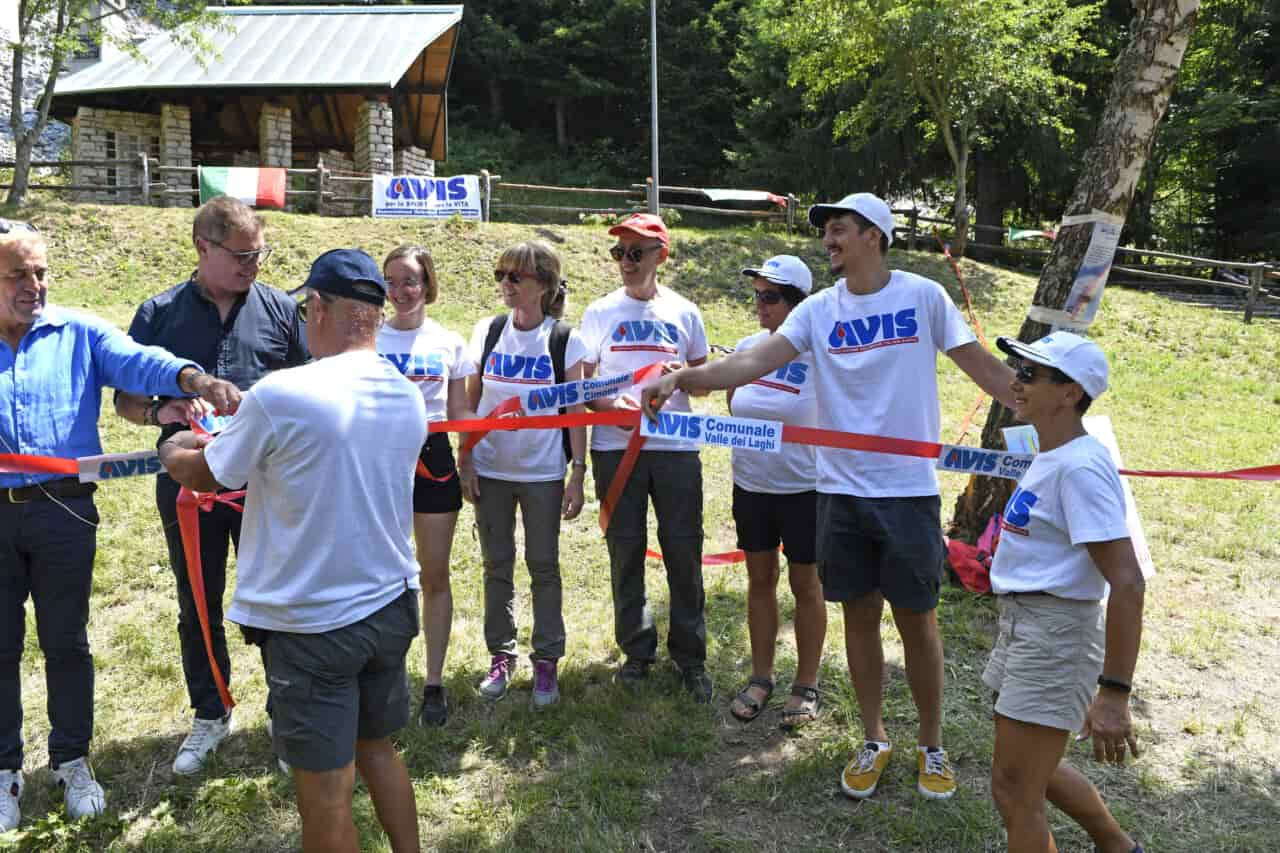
[496, 325]
[558, 343]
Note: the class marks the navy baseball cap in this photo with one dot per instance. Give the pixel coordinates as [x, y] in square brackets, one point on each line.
[349, 273]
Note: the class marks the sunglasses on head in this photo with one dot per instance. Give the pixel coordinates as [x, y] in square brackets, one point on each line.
[767, 297]
[634, 254]
[514, 276]
[8, 226]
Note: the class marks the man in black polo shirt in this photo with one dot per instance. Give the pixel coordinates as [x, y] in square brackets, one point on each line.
[237, 329]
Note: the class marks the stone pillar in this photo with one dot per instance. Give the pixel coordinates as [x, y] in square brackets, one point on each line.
[275, 136]
[175, 150]
[88, 142]
[373, 137]
[414, 161]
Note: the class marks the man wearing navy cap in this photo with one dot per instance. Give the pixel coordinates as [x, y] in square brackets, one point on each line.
[327, 577]
[875, 338]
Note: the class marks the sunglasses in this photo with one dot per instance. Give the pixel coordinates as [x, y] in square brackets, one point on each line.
[513, 276]
[1029, 374]
[302, 304]
[634, 254]
[245, 258]
[8, 226]
[767, 297]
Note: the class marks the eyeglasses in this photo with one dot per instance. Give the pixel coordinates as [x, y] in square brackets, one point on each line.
[8, 226]
[514, 276]
[634, 254]
[1028, 374]
[767, 297]
[302, 303]
[246, 259]
[404, 282]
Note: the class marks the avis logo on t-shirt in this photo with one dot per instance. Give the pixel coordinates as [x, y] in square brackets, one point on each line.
[873, 331]
[645, 335]
[786, 378]
[1017, 512]
[419, 367]
[519, 368]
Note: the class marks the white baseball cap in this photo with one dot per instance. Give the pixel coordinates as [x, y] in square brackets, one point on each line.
[1077, 357]
[785, 270]
[868, 205]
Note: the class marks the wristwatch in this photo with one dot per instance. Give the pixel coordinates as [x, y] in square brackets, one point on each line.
[580, 463]
[1114, 684]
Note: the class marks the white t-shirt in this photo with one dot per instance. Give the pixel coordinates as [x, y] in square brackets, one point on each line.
[519, 361]
[1070, 496]
[328, 451]
[787, 395]
[876, 356]
[430, 357]
[624, 334]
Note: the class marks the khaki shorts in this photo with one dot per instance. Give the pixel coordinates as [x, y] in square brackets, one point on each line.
[1046, 661]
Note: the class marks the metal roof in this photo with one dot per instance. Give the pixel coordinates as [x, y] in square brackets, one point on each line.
[303, 47]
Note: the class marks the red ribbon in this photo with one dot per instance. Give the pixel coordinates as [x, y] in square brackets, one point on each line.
[189, 506]
[18, 463]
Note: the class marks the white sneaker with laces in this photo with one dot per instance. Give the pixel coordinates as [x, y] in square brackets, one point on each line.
[83, 795]
[10, 792]
[200, 744]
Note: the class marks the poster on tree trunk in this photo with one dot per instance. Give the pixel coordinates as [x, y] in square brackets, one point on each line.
[1086, 291]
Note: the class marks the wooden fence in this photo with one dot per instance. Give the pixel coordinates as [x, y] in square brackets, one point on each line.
[326, 191]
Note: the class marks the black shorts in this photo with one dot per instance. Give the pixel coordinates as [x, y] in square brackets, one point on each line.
[437, 496]
[893, 545]
[330, 690]
[765, 520]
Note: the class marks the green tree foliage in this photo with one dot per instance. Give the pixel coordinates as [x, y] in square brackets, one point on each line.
[951, 66]
[56, 29]
[1214, 186]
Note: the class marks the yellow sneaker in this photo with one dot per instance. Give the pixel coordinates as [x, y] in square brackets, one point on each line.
[862, 773]
[937, 781]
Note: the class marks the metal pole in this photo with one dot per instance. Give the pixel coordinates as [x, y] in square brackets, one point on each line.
[146, 180]
[486, 187]
[654, 204]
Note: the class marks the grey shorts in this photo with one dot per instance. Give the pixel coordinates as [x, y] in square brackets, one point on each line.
[329, 689]
[890, 545]
[1045, 664]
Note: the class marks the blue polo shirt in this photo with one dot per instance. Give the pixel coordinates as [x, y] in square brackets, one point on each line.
[261, 333]
[51, 388]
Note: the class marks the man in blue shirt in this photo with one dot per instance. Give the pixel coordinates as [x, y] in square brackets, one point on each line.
[53, 365]
[238, 329]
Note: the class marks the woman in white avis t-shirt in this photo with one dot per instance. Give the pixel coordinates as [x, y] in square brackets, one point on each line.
[775, 502]
[523, 468]
[435, 360]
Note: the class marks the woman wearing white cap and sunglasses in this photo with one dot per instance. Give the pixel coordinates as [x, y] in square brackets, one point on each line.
[775, 502]
[1063, 660]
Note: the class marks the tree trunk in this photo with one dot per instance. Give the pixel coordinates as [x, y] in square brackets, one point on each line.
[991, 194]
[25, 138]
[961, 239]
[495, 99]
[1144, 78]
[562, 123]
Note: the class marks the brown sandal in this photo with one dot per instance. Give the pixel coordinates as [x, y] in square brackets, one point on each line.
[754, 706]
[794, 718]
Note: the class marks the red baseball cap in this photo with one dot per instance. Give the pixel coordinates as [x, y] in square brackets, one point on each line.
[644, 224]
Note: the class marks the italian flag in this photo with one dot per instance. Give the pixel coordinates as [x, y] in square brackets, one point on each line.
[255, 187]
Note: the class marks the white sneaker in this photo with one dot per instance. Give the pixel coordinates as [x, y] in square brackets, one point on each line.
[10, 791]
[83, 795]
[280, 762]
[200, 744]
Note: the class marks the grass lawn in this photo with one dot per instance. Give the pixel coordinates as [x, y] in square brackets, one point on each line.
[1192, 389]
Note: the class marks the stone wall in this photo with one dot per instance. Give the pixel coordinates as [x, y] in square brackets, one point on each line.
[414, 161]
[98, 134]
[246, 158]
[373, 137]
[275, 136]
[342, 163]
[175, 150]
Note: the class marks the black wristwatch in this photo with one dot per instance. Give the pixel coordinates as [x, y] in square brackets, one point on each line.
[1114, 684]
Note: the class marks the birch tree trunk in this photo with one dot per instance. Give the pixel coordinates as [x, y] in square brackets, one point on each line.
[1144, 79]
